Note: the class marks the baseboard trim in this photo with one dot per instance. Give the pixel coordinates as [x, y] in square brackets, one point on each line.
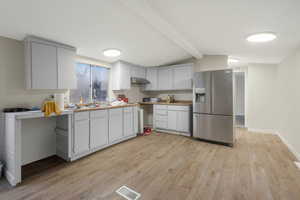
[265, 131]
[274, 132]
[290, 147]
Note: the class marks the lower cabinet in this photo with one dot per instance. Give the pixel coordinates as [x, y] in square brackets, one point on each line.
[173, 118]
[115, 124]
[98, 128]
[93, 130]
[81, 136]
[128, 121]
[183, 121]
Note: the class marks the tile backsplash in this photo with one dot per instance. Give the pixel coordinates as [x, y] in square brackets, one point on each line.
[136, 94]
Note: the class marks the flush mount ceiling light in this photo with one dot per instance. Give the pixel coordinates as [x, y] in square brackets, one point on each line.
[261, 37]
[233, 60]
[111, 53]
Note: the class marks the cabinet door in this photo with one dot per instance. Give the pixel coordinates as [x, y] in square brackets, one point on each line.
[66, 68]
[43, 66]
[120, 75]
[172, 119]
[183, 121]
[182, 78]
[125, 82]
[136, 120]
[139, 72]
[128, 121]
[115, 124]
[81, 136]
[151, 75]
[165, 79]
[99, 128]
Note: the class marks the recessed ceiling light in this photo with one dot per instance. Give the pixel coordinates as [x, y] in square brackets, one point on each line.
[262, 37]
[111, 53]
[233, 60]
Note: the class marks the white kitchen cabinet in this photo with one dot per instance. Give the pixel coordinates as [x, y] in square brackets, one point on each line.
[49, 65]
[136, 119]
[182, 77]
[120, 76]
[183, 121]
[151, 76]
[172, 119]
[165, 78]
[98, 128]
[66, 68]
[137, 71]
[43, 66]
[115, 124]
[81, 140]
[128, 121]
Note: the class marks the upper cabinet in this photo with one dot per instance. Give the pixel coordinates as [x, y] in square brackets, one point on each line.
[151, 76]
[165, 78]
[176, 77]
[139, 72]
[120, 75]
[49, 65]
[182, 77]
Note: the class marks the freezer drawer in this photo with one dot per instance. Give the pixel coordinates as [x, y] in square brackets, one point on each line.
[213, 127]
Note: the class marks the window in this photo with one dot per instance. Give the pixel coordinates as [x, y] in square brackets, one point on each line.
[92, 83]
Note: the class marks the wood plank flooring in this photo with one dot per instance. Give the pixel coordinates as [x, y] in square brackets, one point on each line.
[164, 166]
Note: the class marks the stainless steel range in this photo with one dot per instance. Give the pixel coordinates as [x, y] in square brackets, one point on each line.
[213, 106]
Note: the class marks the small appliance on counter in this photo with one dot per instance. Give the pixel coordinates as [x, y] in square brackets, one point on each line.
[16, 109]
[151, 99]
[170, 99]
[122, 97]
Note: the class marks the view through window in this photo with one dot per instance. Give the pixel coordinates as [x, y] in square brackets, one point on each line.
[92, 84]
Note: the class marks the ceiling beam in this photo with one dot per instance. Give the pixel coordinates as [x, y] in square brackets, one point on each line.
[142, 9]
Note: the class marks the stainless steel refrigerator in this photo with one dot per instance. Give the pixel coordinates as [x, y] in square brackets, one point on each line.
[213, 106]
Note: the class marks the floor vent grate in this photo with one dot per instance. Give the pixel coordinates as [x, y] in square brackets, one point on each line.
[128, 193]
[297, 164]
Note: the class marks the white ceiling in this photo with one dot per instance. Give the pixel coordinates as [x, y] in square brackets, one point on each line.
[157, 32]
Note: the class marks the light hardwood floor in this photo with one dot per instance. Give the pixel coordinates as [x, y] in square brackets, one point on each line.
[164, 166]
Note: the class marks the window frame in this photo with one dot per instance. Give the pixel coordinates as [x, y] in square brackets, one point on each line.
[91, 96]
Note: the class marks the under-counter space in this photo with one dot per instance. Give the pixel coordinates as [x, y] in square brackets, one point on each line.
[30, 136]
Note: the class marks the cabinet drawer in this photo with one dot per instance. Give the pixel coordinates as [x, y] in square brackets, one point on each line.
[81, 116]
[98, 114]
[180, 108]
[160, 107]
[161, 112]
[161, 124]
[161, 118]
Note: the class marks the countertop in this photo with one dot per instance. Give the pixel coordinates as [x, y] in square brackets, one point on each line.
[106, 107]
[39, 113]
[177, 103]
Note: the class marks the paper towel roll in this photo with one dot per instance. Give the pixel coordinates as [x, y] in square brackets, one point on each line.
[60, 101]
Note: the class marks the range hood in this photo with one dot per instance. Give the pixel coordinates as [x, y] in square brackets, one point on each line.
[139, 81]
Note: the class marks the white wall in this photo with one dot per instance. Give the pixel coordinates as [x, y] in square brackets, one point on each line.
[288, 91]
[211, 62]
[261, 99]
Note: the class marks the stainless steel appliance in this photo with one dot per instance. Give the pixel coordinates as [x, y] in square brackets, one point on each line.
[213, 106]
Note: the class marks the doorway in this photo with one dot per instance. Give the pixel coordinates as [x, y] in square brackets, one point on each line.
[239, 99]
